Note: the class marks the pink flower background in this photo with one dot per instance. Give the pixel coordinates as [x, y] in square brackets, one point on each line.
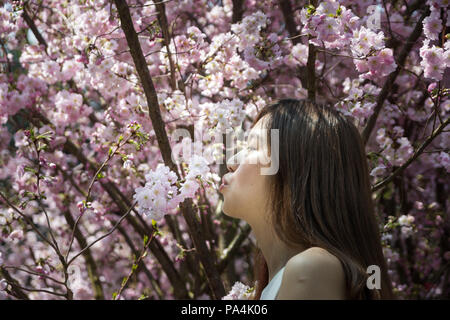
[78, 147]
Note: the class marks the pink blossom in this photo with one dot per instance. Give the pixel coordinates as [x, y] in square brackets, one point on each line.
[224, 74]
[433, 61]
[239, 291]
[70, 69]
[300, 53]
[365, 39]
[432, 86]
[378, 171]
[189, 188]
[444, 159]
[361, 65]
[432, 25]
[198, 165]
[3, 285]
[16, 235]
[328, 29]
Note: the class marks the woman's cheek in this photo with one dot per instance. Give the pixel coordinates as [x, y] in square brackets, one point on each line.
[249, 181]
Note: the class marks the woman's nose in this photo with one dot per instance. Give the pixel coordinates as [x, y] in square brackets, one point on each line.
[234, 161]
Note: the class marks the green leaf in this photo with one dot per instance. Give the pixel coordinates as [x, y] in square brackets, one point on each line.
[29, 169]
[156, 231]
[181, 255]
[41, 146]
[134, 267]
[114, 295]
[110, 151]
[145, 240]
[310, 9]
[45, 135]
[32, 133]
[100, 175]
[124, 281]
[136, 144]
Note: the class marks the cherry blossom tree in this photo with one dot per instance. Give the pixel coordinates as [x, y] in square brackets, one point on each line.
[94, 96]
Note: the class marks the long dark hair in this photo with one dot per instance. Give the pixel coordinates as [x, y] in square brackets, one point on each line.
[320, 195]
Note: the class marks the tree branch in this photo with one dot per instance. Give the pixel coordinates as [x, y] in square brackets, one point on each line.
[162, 20]
[415, 34]
[146, 81]
[136, 264]
[413, 157]
[232, 248]
[104, 236]
[16, 288]
[33, 27]
[123, 203]
[212, 274]
[289, 21]
[155, 284]
[91, 265]
[238, 11]
[27, 220]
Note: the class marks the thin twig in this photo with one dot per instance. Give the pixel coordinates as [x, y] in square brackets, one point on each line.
[415, 34]
[105, 235]
[186, 207]
[28, 220]
[38, 198]
[413, 157]
[35, 273]
[135, 266]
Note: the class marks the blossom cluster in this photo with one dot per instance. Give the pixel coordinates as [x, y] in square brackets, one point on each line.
[218, 69]
[240, 291]
[435, 58]
[224, 115]
[371, 56]
[69, 108]
[161, 194]
[396, 156]
[23, 94]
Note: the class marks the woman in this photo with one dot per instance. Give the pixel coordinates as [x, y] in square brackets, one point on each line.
[313, 218]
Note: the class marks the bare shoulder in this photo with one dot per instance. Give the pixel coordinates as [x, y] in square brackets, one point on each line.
[314, 260]
[313, 274]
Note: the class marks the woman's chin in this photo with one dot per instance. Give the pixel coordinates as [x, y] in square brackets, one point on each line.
[227, 210]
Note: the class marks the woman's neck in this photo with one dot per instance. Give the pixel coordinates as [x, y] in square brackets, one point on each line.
[275, 252]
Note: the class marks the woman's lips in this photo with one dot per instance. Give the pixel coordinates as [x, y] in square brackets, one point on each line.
[224, 183]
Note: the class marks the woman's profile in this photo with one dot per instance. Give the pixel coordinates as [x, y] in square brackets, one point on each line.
[313, 219]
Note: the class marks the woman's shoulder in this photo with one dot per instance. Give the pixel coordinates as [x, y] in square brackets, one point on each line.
[313, 273]
[314, 257]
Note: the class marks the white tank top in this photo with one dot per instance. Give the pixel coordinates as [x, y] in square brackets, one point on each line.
[271, 290]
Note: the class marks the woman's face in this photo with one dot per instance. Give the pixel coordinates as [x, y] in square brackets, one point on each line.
[246, 192]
